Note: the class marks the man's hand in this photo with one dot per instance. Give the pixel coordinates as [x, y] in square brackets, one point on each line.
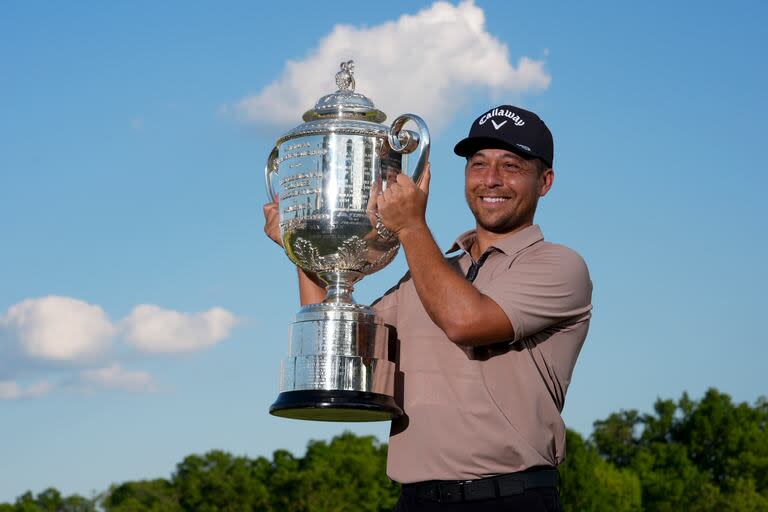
[403, 204]
[311, 289]
[272, 221]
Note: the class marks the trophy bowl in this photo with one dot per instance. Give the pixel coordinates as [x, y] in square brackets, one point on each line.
[328, 172]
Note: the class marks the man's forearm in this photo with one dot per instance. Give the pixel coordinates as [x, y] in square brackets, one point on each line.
[311, 289]
[453, 303]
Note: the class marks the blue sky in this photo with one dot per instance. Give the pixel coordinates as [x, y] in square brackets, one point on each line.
[143, 314]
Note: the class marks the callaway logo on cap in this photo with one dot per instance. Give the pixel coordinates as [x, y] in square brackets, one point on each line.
[511, 128]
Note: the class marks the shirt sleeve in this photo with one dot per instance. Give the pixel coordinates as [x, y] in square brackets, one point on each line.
[386, 305]
[541, 289]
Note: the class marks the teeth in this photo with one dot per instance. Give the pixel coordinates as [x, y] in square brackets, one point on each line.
[494, 199]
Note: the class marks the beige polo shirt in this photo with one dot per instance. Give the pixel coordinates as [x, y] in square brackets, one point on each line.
[472, 413]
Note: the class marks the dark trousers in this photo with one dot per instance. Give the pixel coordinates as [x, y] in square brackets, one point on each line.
[544, 499]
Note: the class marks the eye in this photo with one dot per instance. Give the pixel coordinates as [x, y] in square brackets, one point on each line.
[512, 166]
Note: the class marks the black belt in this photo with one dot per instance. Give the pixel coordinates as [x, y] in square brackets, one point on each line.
[484, 488]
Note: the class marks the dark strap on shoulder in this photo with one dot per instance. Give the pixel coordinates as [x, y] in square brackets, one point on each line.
[474, 268]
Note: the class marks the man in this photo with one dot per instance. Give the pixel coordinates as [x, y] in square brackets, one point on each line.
[488, 337]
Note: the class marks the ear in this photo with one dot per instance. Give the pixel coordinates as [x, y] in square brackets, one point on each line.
[545, 181]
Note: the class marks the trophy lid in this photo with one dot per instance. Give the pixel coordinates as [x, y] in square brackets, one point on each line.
[345, 103]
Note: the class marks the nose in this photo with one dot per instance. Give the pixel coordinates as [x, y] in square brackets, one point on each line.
[492, 176]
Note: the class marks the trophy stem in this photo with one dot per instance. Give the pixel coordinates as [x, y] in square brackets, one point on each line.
[339, 285]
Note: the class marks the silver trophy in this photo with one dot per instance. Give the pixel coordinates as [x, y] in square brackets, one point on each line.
[328, 172]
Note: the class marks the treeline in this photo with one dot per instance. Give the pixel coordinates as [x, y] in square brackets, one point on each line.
[692, 456]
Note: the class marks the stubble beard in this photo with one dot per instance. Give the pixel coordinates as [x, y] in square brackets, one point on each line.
[504, 223]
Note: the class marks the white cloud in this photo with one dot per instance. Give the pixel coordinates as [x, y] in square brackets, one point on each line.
[63, 329]
[156, 330]
[56, 336]
[424, 63]
[10, 390]
[58, 328]
[115, 377]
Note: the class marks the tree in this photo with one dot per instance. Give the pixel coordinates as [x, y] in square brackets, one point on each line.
[702, 456]
[145, 496]
[50, 500]
[693, 456]
[349, 474]
[588, 483]
[219, 482]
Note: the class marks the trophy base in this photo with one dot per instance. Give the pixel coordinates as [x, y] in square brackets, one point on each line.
[335, 405]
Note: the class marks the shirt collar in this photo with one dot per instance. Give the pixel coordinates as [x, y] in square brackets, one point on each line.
[510, 244]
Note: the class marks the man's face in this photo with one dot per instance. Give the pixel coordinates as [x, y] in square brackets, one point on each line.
[502, 189]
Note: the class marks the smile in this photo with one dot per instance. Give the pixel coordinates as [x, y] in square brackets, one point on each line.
[493, 199]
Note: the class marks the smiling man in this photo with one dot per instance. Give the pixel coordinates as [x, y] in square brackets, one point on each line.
[488, 337]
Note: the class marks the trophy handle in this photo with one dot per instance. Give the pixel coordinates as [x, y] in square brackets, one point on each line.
[406, 141]
[270, 169]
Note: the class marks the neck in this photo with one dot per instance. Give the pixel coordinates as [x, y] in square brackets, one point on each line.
[486, 239]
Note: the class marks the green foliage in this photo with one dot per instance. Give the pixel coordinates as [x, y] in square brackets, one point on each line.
[219, 482]
[347, 474]
[50, 500]
[590, 484]
[710, 455]
[145, 496]
[705, 456]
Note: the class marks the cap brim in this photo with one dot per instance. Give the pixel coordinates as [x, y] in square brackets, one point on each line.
[471, 145]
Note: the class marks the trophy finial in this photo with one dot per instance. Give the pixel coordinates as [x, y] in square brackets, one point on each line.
[345, 78]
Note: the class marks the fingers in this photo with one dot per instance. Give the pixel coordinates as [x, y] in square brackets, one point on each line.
[270, 218]
[272, 222]
[404, 183]
[274, 204]
[404, 180]
[400, 186]
[424, 183]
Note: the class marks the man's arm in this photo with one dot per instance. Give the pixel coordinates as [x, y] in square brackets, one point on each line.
[467, 316]
[311, 290]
